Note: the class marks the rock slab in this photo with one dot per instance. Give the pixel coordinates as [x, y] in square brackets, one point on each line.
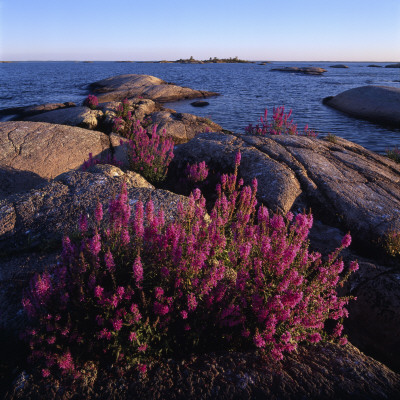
[134, 85]
[380, 104]
[35, 151]
[344, 184]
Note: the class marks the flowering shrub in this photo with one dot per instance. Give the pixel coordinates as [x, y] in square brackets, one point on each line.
[93, 161]
[331, 138]
[91, 101]
[281, 124]
[135, 287]
[391, 243]
[149, 154]
[123, 108]
[394, 154]
[196, 172]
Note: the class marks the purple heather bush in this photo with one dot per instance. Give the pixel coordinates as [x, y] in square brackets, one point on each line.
[281, 124]
[149, 154]
[196, 172]
[91, 101]
[135, 287]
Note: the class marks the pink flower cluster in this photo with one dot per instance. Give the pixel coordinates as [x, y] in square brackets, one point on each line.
[150, 154]
[91, 101]
[233, 278]
[197, 172]
[281, 124]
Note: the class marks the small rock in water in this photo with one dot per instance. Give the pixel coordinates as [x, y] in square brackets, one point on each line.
[200, 103]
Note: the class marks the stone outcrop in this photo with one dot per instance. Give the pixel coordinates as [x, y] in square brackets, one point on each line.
[343, 183]
[133, 85]
[380, 104]
[35, 151]
[182, 127]
[374, 318]
[396, 65]
[339, 66]
[41, 216]
[278, 185]
[82, 117]
[315, 372]
[23, 112]
[301, 70]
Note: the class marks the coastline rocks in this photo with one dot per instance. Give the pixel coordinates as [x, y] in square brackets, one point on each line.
[40, 217]
[339, 66]
[82, 117]
[302, 70]
[43, 150]
[374, 318]
[375, 66]
[344, 184]
[133, 85]
[199, 103]
[380, 104]
[23, 112]
[278, 187]
[393, 65]
[182, 127]
[323, 371]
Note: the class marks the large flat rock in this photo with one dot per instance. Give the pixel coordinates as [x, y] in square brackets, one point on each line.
[133, 85]
[324, 371]
[34, 151]
[40, 217]
[182, 127]
[344, 184]
[278, 186]
[82, 117]
[380, 104]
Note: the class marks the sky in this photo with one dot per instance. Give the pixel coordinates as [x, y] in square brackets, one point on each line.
[139, 30]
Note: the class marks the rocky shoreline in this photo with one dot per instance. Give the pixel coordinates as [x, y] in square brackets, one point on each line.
[348, 188]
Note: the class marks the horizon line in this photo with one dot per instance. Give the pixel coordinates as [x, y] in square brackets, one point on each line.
[173, 61]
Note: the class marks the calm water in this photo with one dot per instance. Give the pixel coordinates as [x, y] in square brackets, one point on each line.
[246, 89]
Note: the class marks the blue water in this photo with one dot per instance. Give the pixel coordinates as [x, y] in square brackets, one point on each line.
[246, 89]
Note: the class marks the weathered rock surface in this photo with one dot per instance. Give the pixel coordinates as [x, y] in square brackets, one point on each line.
[182, 127]
[40, 151]
[397, 65]
[379, 104]
[82, 117]
[339, 66]
[43, 215]
[343, 183]
[140, 109]
[199, 103]
[315, 372]
[133, 85]
[29, 111]
[302, 70]
[374, 318]
[278, 186]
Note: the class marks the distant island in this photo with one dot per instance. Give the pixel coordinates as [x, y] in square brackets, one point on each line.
[211, 60]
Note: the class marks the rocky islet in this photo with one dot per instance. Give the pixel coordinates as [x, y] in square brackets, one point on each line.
[379, 104]
[347, 187]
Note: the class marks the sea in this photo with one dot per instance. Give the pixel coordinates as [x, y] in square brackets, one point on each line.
[246, 90]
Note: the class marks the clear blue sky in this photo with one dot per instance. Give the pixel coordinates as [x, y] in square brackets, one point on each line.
[327, 30]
